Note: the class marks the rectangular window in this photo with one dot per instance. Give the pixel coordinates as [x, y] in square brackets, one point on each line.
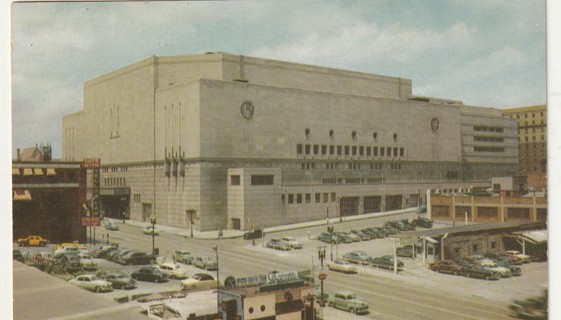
[389, 151]
[333, 197]
[375, 151]
[308, 198]
[262, 180]
[316, 149]
[339, 150]
[308, 147]
[360, 151]
[331, 150]
[235, 180]
[382, 151]
[290, 198]
[299, 198]
[354, 150]
[401, 152]
[368, 149]
[347, 150]
[325, 197]
[395, 152]
[318, 197]
[324, 150]
[299, 149]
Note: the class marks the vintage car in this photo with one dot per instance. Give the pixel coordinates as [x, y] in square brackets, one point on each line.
[277, 243]
[119, 280]
[342, 265]
[523, 257]
[151, 273]
[477, 271]
[151, 230]
[406, 251]
[253, 234]
[348, 301]
[328, 237]
[199, 281]
[36, 241]
[294, 244]
[206, 263]
[446, 266]
[183, 256]
[385, 262]
[173, 271]
[357, 256]
[92, 283]
[110, 225]
[502, 271]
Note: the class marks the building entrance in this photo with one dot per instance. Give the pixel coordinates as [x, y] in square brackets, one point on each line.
[349, 206]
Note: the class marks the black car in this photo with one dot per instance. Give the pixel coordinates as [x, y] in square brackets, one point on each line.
[149, 274]
[119, 280]
[253, 234]
[104, 252]
[422, 222]
[476, 271]
[137, 257]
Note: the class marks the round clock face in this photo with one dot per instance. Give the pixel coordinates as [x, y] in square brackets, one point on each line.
[247, 110]
[434, 124]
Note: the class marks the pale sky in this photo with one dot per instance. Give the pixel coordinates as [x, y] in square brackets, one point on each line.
[485, 53]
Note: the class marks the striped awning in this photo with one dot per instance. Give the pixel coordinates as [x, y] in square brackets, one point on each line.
[38, 172]
[15, 172]
[22, 195]
[27, 172]
[51, 172]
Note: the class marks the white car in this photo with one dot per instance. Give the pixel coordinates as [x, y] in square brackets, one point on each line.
[502, 271]
[342, 265]
[173, 271]
[92, 283]
[523, 257]
[87, 262]
[199, 281]
[151, 230]
[65, 250]
[295, 244]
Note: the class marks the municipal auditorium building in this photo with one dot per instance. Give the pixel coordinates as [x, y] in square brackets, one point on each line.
[235, 142]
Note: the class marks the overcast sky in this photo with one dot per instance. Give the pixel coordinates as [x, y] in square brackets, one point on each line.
[485, 53]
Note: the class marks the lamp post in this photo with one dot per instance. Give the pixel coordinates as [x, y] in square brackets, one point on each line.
[321, 256]
[191, 212]
[215, 248]
[330, 230]
[153, 221]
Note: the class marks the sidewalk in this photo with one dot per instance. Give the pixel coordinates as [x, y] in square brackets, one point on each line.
[231, 234]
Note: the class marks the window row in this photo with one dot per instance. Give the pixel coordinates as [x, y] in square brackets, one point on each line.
[488, 149]
[339, 150]
[115, 182]
[488, 129]
[256, 180]
[488, 139]
[308, 165]
[115, 169]
[298, 198]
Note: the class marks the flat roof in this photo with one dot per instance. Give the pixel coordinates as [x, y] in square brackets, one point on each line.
[38, 295]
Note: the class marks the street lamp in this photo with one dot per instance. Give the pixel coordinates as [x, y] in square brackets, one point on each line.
[191, 213]
[153, 221]
[215, 248]
[321, 256]
[330, 230]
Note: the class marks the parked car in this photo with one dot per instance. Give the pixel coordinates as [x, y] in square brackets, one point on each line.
[514, 270]
[92, 283]
[68, 249]
[36, 241]
[277, 243]
[173, 271]
[389, 230]
[534, 308]
[120, 254]
[343, 237]
[137, 257]
[183, 256]
[357, 256]
[480, 260]
[503, 257]
[514, 253]
[348, 301]
[295, 244]
[406, 251]
[206, 263]
[151, 273]
[363, 235]
[199, 281]
[42, 258]
[502, 271]
[328, 237]
[477, 271]
[16, 254]
[319, 296]
[422, 222]
[375, 232]
[69, 262]
[446, 266]
[104, 251]
[253, 234]
[87, 262]
[152, 230]
[342, 265]
[386, 262]
[110, 225]
[118, 279]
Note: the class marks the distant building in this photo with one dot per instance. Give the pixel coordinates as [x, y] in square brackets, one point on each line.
[248, 142]
[532, 142]
[47, 198]
[37, 153]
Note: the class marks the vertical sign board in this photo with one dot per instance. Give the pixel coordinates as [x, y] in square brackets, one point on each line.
[94, 164]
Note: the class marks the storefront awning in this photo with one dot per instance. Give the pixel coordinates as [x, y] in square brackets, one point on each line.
[51, 172]
[15, 172]
[27, 172]
[22, 195]
[38, 172]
